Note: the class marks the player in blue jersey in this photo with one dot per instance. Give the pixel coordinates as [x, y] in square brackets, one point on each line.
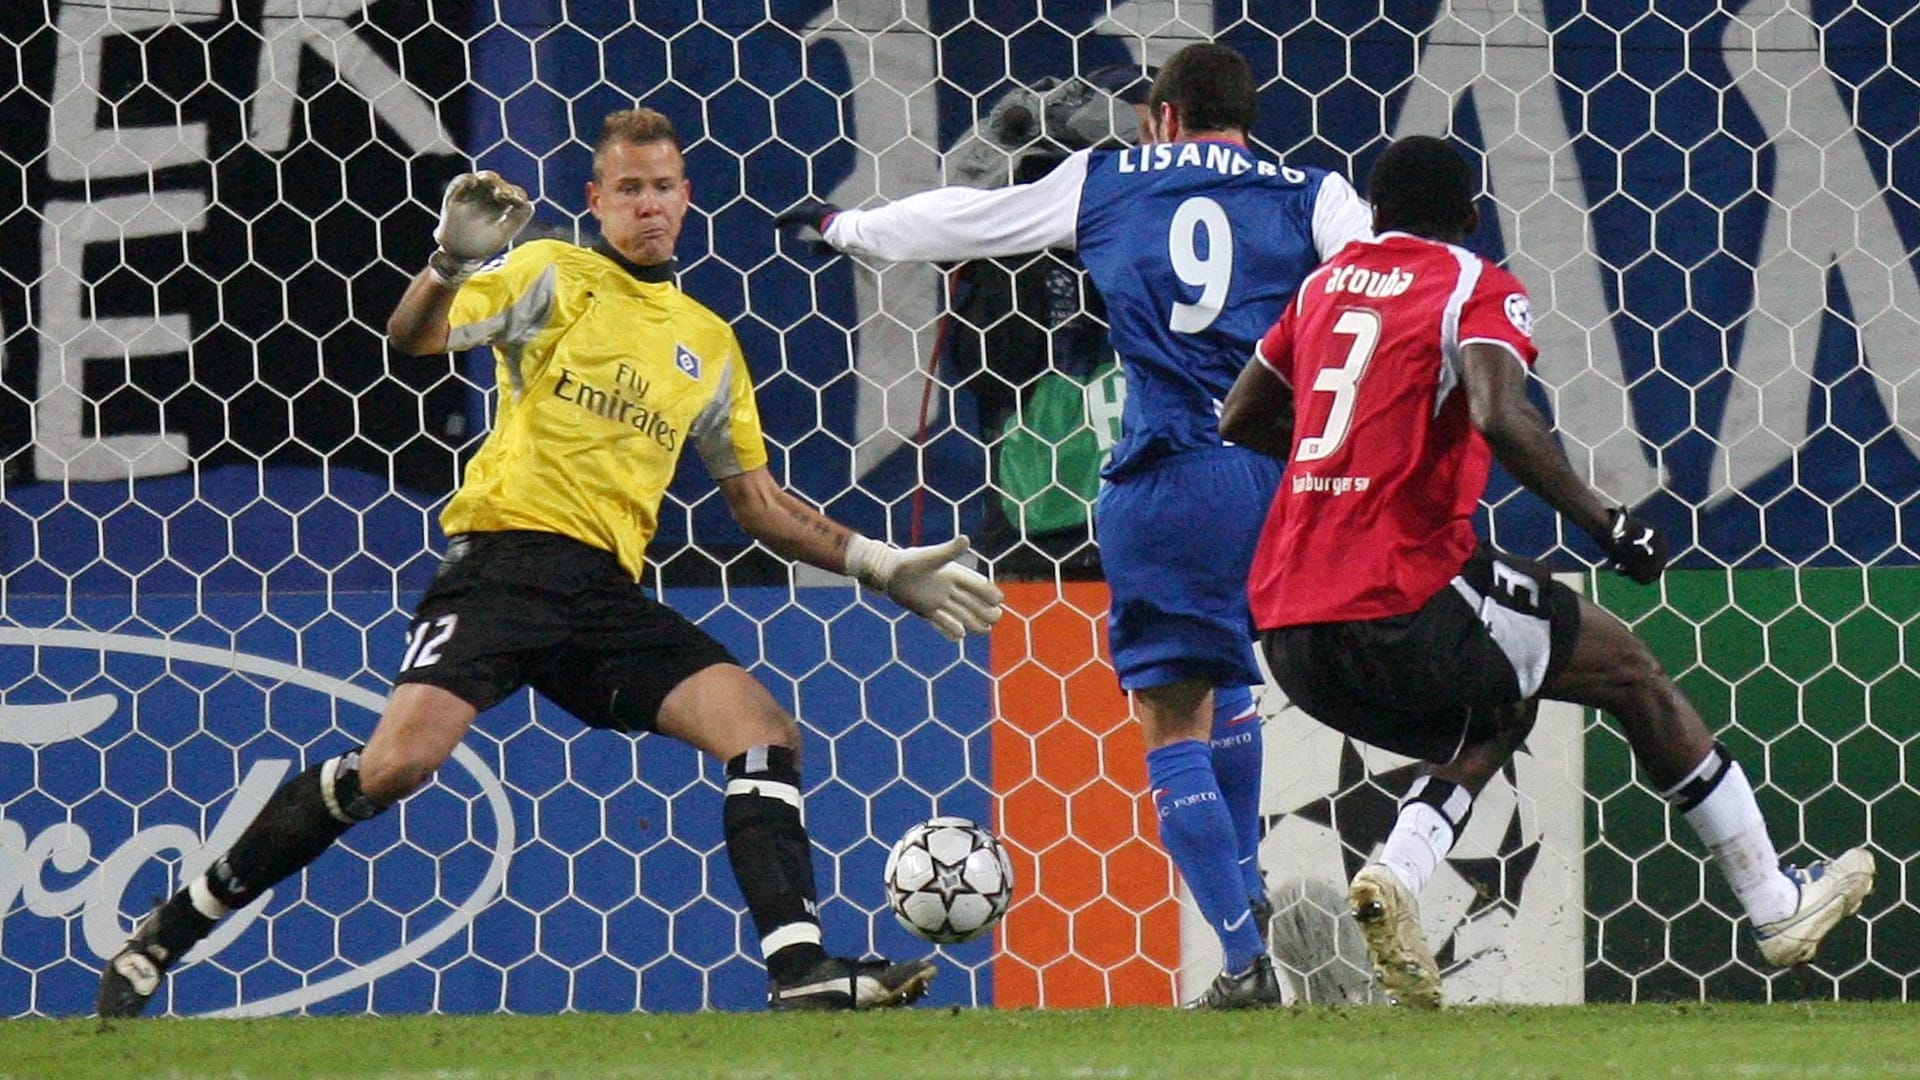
[1195, 243]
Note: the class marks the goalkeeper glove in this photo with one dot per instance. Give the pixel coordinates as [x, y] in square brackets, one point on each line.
[956, 599]
[1635, 546]
[481, 214]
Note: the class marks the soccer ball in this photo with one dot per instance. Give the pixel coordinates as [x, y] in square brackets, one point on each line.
[948, 880]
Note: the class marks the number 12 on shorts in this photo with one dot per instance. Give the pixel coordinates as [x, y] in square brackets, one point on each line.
[424, 640]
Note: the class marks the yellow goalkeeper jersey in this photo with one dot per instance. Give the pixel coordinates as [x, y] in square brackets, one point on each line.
[606, 371]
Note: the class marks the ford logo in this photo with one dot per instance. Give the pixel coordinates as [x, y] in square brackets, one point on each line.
[69, 848]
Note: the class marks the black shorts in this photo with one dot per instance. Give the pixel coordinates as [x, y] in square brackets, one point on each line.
[514, 609]
[1429, 682]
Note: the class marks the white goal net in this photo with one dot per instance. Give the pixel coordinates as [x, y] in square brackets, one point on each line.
[219, 491]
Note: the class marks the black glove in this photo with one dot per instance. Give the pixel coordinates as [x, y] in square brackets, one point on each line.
[811, 212]
[1635, 546]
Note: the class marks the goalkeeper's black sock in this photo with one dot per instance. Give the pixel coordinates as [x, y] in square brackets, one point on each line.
[300, 821]
[297, 825]
[178, 927]
[773, 859]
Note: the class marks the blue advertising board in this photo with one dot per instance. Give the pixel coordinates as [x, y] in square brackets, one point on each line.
[549, 866]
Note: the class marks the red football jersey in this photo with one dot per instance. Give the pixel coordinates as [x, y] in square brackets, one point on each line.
[1375, 512]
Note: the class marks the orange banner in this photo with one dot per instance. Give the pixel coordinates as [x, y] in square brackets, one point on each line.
[1095, 921]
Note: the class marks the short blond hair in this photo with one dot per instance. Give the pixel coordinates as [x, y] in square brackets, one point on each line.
[637, 126]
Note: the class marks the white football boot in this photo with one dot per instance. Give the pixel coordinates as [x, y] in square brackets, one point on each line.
[1830, 890]
[1389, 919]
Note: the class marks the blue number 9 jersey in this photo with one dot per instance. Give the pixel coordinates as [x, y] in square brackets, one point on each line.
[1194, 246]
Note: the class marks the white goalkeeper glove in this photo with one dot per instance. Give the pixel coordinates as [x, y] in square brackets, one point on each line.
[481, 214]
[956, 599]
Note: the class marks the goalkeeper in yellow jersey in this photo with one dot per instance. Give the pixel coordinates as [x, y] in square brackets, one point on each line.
[607, 371]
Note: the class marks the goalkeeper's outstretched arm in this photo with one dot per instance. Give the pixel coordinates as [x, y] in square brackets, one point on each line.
[927, 581]
[480, 215]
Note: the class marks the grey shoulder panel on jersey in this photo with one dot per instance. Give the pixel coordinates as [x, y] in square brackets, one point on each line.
[710, 431]
[514, 326]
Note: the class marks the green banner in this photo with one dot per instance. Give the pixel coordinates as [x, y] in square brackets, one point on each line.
[1803, 674]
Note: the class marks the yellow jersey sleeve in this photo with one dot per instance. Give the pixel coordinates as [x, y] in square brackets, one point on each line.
[508, 302]
[727, 433]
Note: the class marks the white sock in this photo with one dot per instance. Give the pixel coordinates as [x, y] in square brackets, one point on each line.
[1717, 801]
[1424, 832]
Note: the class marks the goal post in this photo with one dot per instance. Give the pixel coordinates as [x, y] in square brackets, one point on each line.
[219, 491]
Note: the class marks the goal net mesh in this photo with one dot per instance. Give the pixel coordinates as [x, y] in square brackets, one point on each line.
[220, 491]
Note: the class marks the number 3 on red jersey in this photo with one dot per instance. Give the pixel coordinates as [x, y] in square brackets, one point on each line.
[1343, 382]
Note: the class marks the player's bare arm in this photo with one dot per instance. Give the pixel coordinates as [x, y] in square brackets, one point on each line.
[1519, 437]
[481, 214]
[927, 581]
[1496, 385]
[418, 325]
[1258, 412]
[789, 527]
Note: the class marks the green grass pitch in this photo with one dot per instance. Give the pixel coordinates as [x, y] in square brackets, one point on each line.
[1619, 1042]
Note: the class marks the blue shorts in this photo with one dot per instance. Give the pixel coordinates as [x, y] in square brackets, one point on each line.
[1176, 542]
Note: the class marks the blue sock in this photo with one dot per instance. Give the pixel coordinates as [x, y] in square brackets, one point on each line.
[1198, 833]
[1237, 753]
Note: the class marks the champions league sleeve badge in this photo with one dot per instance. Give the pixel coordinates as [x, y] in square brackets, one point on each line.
[1520, 313]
